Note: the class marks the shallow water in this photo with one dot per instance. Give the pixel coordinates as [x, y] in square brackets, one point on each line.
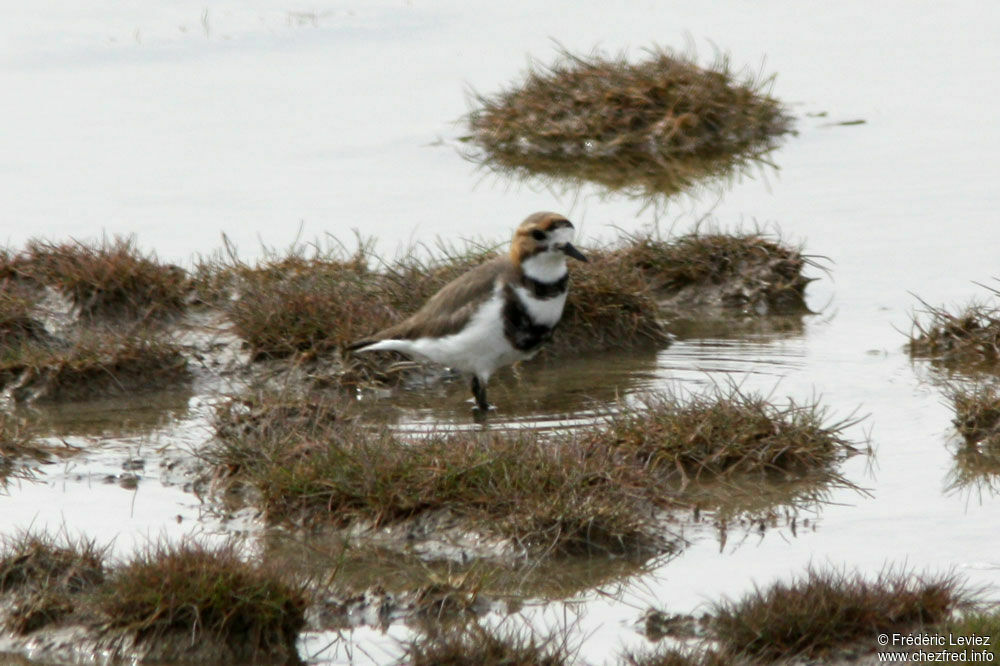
[179, 123]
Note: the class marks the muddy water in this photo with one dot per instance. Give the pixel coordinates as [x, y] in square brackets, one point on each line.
[178, 124]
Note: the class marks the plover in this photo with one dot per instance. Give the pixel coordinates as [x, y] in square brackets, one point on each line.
[495, 314]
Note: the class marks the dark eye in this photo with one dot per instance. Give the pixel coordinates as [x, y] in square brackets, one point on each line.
[538, 235]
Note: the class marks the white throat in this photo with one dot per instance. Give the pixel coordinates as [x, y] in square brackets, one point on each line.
[545, 267]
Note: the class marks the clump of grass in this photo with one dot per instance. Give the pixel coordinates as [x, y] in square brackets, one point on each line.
[977, 414]
[970, 337]
[652, 127]
[609, 305]
[475, 645]
[30, 559]
[17, 442]
[829, 609]
[753, 273]
[17, 325]
[725, 433]
[562, 499]
[673, 656]
[978, 624]
[296, 303]
[977, 419]
[200, 592]
[98, 362]
[46, 577]
[109, 279]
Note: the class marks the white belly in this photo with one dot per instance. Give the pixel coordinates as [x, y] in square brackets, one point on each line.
[544, 311]
[479, 348]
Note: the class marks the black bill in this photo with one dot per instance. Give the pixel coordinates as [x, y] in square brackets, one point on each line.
[573, 252]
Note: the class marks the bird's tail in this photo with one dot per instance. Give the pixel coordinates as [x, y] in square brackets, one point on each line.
[355, 346]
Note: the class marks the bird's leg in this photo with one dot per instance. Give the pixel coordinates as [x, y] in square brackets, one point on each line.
[479, 393]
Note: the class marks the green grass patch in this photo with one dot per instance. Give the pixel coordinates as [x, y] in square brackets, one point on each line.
[825, 610]
[109, 279]
[652, 127]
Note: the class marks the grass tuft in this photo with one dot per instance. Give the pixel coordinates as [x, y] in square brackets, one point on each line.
[474, 645]
[46, 576]
[292, 304]
[17, 325]
[977, 414]
[98, 362]
[970, 337]
[609, 305]
[726, 433]
[110, 279]
[830, 609]
[674, 656]
[750, 272]
[651, 127]
[980, 625]
[563, 499]
[199, 591]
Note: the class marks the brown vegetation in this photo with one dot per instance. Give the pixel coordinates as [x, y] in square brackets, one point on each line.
[727, 433]
[474, 645]
[97, 363]
[46, 577]
[977, 414]
[743, 272]
[831, 609]
[970, 338]
[589, 491]
[191, 590]
[651, 127]
[564, 499]
[184, 601]
[108, 279]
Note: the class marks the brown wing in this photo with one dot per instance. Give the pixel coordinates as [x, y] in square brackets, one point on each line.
[448, 310]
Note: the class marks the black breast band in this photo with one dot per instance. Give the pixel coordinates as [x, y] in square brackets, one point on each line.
[545, 290]
[518, 327]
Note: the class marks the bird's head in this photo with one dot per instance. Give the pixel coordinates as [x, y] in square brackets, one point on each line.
[545, 236]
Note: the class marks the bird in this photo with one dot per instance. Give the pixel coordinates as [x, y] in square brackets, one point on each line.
[495, 314]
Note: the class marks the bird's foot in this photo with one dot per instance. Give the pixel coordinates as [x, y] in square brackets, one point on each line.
[480, 413]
